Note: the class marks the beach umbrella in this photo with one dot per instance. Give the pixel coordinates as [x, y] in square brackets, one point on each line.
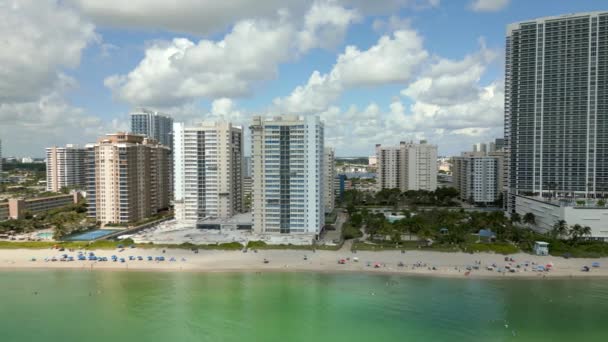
[595, 264]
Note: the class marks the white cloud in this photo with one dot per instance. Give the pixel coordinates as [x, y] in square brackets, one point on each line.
[489, 5]
[181, 71]
[325, 25]
[38, 41]
[199, 17]
[393, 23]
[379, 7]
[393, 59]
[29, 127]
[445, 102]
[203, 17]
[450, 82]
[31, 53]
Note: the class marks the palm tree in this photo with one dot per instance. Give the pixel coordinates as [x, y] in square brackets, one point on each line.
[560, 228]
[529, 218]
[515, 218]
[577, 231]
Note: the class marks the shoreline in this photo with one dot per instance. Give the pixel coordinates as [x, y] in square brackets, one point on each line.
[447, 265]
[476, 276]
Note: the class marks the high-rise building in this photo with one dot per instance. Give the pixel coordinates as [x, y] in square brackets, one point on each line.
[499, 144]
[65, 168]
[480, 147]
[478, 176]
[247, 166]
[247, 193]
[372, 161]
[128, 178]
[408, 166]
[208, 164]
[287, 160]
[556, 113]
[0, 160]
[152, 124]
[329, 174]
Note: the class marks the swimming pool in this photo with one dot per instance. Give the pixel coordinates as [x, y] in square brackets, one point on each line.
[45, 235]
[90, 235]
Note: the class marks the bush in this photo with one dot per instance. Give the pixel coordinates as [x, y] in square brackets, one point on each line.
[230, 245]
[256, 244]
[350, 232]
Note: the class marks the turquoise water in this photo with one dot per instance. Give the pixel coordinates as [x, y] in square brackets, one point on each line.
[45, 235]
[131, 306]
[90, 235]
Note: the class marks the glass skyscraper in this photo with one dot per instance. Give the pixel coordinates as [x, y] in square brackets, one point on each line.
[556, 105]
[154, 125]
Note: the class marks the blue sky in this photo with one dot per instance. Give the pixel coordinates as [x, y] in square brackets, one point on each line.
[384, 72]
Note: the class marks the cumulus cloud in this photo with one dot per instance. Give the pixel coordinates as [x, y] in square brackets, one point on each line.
[489, 5]
[325, 25]
[181, 71]
[393, 59]
[39, 40]
[449, 82]
[444, 100]
[51, 120]
[203, 17]
[32, 55]
[188, 16]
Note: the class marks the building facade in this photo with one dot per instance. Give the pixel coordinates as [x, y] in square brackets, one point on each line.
[478, 177]
[18, 207]
[556, 113]
[408, 166]
[65, 168]
[152, 124]
[208, 164]
[287, 160]
[547, 212]
[480, 147]
[329, 174]
[1, 160]
[128, 178]
[247, 166]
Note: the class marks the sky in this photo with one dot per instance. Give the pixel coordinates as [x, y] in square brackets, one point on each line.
[376, 72]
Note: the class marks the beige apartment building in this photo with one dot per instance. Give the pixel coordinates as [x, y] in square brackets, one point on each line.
[16, 208]
[208, 166]
[128, 178]
[65, 168]
[408, 166]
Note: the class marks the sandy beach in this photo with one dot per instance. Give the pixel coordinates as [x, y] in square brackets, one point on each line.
[414, 262]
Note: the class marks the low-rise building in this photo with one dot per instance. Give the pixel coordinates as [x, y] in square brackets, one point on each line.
[18, 207]
[547, 212]
[242, 222]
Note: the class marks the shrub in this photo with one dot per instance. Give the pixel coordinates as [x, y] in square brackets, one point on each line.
[350, 232]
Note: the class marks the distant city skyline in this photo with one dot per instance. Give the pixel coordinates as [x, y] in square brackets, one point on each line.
[373, 71]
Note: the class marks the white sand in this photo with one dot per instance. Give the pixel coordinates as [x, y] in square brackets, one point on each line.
[446, 264]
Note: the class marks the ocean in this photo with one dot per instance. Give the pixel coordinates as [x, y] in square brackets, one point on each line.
[67, 305]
